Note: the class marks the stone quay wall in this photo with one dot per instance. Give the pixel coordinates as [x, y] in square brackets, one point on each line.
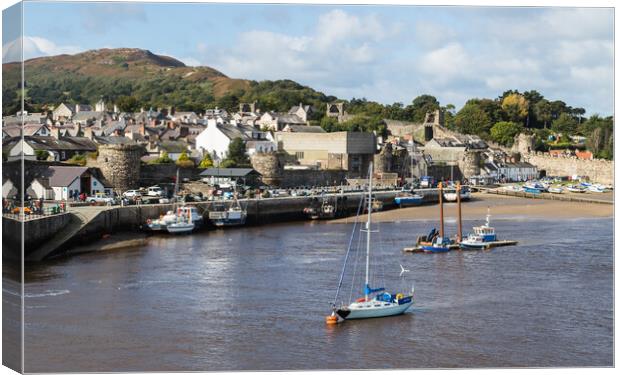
[295, 178]
[598, 170]
[36, 232]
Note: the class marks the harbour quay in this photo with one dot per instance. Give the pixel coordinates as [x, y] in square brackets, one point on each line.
[53, 235]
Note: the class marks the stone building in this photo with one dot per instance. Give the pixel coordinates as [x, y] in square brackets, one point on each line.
[350, 151]
[120, 164]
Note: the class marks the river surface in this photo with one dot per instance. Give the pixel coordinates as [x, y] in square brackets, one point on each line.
[256, 298]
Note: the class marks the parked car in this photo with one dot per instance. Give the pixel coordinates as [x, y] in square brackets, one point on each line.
[155, 191]
[132, 194]
[101, 198]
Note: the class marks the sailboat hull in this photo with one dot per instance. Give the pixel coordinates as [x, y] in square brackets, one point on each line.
[374, 312]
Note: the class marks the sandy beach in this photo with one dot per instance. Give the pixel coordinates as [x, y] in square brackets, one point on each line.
[502, 208]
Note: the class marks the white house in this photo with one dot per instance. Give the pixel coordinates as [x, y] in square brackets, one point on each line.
[66, 179]
[8, 189]
[62, 112]
[39, 188]
[216, 138]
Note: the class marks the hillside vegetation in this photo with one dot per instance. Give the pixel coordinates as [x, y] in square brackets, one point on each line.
[134, 78]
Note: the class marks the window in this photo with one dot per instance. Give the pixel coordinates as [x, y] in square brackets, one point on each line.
[299, 155]
[94, 183]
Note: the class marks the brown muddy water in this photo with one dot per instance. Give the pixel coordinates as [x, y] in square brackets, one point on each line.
[255, 299]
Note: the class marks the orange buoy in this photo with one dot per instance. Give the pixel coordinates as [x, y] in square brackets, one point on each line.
[331, 319]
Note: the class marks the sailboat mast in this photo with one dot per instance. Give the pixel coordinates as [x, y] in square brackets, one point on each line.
[368, 231]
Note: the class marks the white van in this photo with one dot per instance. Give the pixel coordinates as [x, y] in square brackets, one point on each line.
[155, 191]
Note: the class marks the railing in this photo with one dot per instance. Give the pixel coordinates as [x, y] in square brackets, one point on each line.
[31, 210]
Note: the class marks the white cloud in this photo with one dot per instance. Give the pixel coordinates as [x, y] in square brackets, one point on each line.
[339, 45]
[33, 46]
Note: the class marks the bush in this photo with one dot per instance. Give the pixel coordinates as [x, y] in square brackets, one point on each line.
[184, 161]
[163, 159]
[77, 159]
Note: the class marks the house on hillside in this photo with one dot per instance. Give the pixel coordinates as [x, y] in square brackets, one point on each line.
[302, 111]
[31, 147]
[62, 113]
[216, 138]
[274, 121]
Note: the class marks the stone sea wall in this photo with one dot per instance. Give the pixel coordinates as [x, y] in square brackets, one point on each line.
[598, 170]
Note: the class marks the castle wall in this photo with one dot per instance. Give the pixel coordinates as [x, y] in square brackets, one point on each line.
[598, 170]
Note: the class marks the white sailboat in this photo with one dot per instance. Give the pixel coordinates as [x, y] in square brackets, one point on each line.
[376, 302]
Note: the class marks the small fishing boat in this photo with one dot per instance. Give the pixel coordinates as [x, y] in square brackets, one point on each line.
[575, 189]
[534, 187]
[408, 199]
[376, 302]
[596, 189]
[233, 215]
[162, 222]
[325, 210]
[183, 224]
[439, 245]
[556, 189]
[450, 194]
[481, 236]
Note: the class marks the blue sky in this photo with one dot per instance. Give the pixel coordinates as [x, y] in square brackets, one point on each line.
[383, 53]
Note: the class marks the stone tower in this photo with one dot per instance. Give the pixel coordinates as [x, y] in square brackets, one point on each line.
[523, 144]
[383, 160]
[269, 166]
[120, 164]
[470, 164]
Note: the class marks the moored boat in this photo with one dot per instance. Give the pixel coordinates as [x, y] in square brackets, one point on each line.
[481, 237]
[408, 199]
[575, 189]
[376, 302]
[556, 189]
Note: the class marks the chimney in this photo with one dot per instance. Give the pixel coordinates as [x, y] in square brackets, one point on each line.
[55, 132]
[171, 110]
[88, 133]
[171, 125]
[141, 109]
[115, 108]
[77, 128]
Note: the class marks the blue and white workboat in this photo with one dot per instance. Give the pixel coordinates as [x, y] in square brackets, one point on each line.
[376, 302]
[408, 199]
[439, 245]
[481, 237]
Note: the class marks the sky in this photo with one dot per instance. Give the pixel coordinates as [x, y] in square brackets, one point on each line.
[383, 53]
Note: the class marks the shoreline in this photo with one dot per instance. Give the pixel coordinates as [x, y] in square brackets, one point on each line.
[501, 208]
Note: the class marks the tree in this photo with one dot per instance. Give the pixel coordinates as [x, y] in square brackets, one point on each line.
[516, 107]
[471, 119]
[421, 106]
[127, 103]
[504, 132]
[564, 124]
[542, 111]
[206, 162]
[236, 156]
[184, 161]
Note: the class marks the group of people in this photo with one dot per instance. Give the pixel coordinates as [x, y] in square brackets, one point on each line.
[75, 196]
[31, 206]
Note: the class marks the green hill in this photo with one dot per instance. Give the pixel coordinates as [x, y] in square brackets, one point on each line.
[154, 80]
